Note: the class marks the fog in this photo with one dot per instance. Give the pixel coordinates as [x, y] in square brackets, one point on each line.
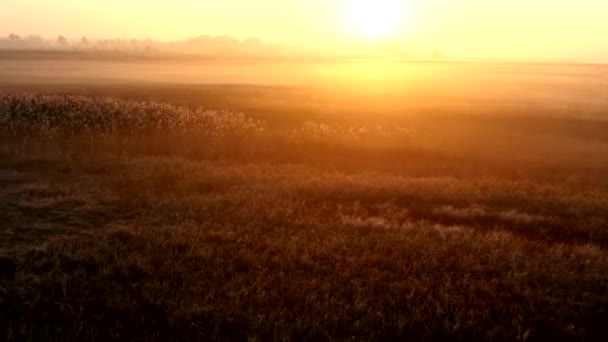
[575, 89]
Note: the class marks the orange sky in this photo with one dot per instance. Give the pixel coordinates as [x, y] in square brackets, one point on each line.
[539, 29]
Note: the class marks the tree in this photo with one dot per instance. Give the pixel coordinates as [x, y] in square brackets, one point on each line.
[84, 42]
[62, 41]
[14, 37]
[436, 54]
[253, 46]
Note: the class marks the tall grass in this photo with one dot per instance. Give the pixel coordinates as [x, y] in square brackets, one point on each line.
[58, 115]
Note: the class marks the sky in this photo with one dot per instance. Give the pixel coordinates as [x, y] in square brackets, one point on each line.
[509, 29]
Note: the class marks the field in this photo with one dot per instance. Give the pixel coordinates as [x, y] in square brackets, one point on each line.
[327, 208]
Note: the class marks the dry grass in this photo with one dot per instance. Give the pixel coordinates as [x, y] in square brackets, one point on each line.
[289, 233]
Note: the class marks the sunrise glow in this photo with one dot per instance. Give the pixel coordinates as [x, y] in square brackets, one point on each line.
[375, 18]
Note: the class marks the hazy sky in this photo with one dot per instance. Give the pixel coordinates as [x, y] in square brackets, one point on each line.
[544, 29]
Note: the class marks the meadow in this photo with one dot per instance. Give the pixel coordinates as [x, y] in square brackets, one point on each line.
[165, 211]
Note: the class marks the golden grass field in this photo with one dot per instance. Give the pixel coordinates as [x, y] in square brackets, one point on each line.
[157, 211]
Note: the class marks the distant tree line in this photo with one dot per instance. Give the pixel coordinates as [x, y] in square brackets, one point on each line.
[201, 45]
[208, 45]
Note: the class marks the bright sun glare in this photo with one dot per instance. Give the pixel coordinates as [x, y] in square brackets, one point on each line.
[374, 18]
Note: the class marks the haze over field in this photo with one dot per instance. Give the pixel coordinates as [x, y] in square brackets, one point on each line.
[381, 86]
[322, 170]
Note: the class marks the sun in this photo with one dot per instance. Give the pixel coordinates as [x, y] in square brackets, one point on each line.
[375, 18]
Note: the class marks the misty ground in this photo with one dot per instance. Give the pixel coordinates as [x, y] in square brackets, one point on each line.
[331, 216]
